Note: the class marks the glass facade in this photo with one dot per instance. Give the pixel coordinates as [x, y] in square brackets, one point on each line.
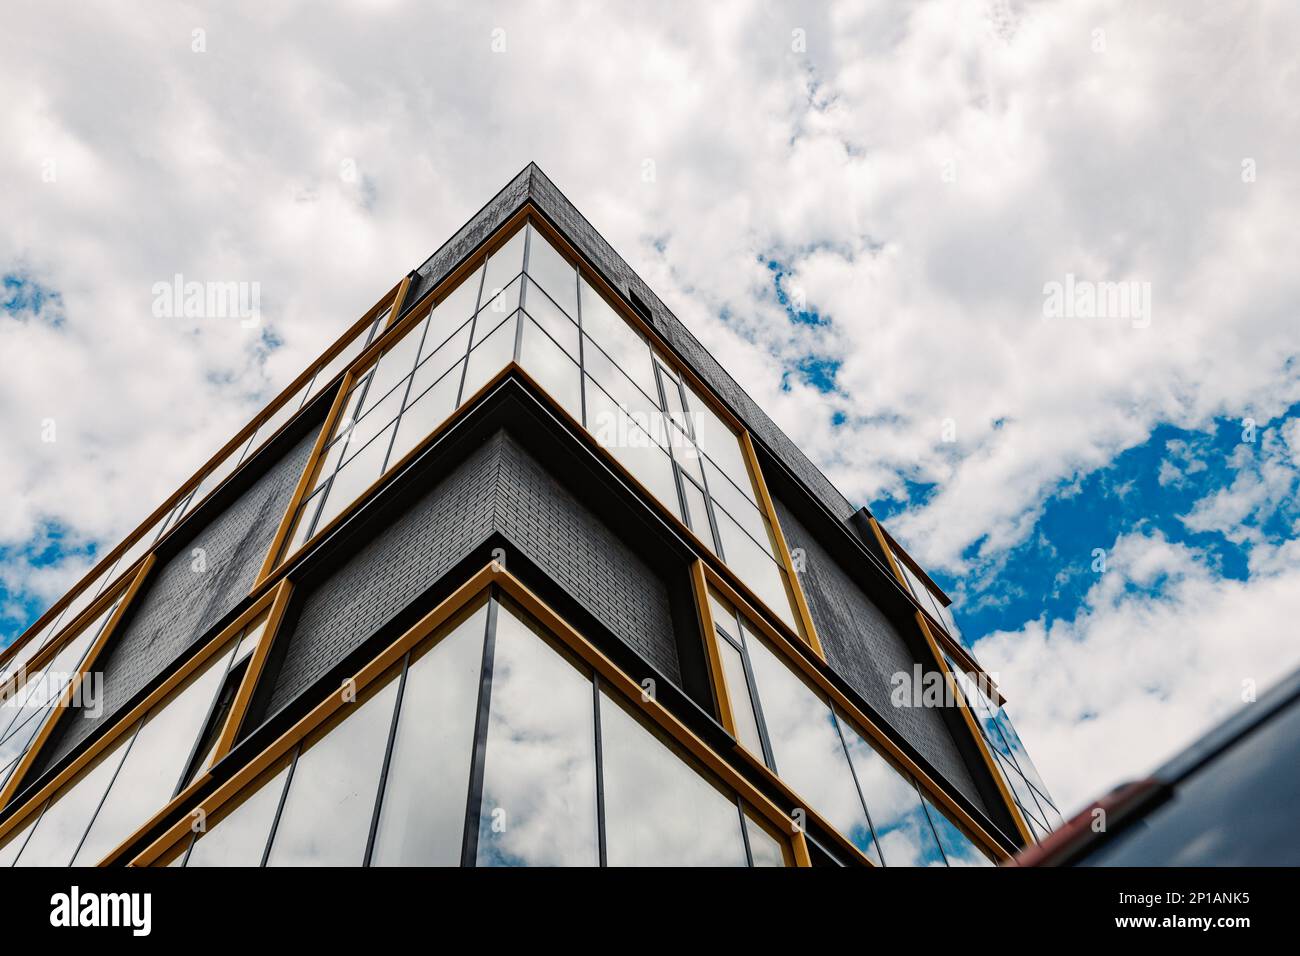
[1009, 755]
[799, 734]
[563, 772]
[140, 772]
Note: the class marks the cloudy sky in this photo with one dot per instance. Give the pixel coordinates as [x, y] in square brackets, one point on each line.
[859, 204]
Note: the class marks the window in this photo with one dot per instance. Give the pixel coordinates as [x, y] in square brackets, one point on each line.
[98, 809]
[26, 711]
[793, 728]
[393, 778]
[1009, 755]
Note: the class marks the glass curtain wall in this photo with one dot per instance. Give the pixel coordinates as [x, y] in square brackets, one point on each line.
[800, 735]
[487, 745]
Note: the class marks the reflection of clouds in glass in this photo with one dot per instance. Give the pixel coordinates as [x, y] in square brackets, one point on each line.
[326, 815]
[239, 838]
[905, 836]
[957, 847]
[422, 818]
[55, 838]
[806, 745]
[540, 764]
[658, 810]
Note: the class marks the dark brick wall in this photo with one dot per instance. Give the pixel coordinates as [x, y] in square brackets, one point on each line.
[866, 649]
[178, 605]
[501, 489]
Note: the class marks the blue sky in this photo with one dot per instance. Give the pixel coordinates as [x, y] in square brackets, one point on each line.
[856, 206]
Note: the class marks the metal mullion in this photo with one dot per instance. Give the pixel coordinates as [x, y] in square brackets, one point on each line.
[104, 796]
[744, 832]
[769, 755]
[388, 756]
[524, 280]
[32, 830]
[279, 807]
[478, 755]
[600, 770]
[925, 808]
[857, 784]
[473, 324]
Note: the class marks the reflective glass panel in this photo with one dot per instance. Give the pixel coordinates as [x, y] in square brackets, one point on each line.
[553, 272]
[238, 837]
[331, 798]
[422, 816]
[764, 849]
[806, 744]
[539, 781]
[902, 826]
[552, 368]
[61, 827]
[659, 811]
[959, 849]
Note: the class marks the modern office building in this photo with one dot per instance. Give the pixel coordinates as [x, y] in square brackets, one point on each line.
[515, 573]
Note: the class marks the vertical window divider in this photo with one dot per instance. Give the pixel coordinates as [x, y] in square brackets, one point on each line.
[473, 326]
[744, 832]
[857, 784]
[520, 313]
[279, 807]
[388, 758]
[478, 755]
[755, 700]
[99, 805]
[925, 808]
[600, 770]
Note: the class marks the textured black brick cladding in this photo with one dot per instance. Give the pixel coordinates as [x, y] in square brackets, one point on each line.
[499, 488]
[178, 605]
[866, 649]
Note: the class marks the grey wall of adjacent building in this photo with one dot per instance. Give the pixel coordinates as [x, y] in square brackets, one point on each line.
[178, 604]
[865, 647]
[498, 489]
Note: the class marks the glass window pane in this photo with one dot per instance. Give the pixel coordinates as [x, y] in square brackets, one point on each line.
[425, 413]
[393, 366]
[645, 461]
[698, 512]
[756, 568]
[957, 846]
[642, 406]
[9, 852]
[490, 356]
[736, 503]
[503, 304]
[553, 370]
[549, 316]
[539, 780]
[331, 798]
[422, 816]
[659, 810]
[719, 442]
[806, 743]
[334, 366]
[446, 355]
[358, 474]
[764, 849]
[504, 265]
[455, 307]
[902, 827]
[278, 419]
[60, 829]
[154, 764]
[553, 272]
[742, 706]
[624, 344]
[238, 837]
[723, 615]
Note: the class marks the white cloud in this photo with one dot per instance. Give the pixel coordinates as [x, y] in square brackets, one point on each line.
[1134, 676]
